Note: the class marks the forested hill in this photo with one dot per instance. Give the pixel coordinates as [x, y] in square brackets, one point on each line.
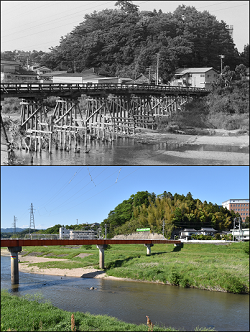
[125, 41]
[145, 209]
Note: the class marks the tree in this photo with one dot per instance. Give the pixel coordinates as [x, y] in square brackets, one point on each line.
[244, 56]
[127, 6]
[241, 72]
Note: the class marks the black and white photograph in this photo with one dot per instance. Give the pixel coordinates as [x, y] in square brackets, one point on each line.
[124, 166]
[123, 82]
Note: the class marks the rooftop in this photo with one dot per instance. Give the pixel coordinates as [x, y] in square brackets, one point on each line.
[193, 70]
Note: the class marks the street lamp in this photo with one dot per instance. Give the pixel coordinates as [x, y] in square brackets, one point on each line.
[221, 57]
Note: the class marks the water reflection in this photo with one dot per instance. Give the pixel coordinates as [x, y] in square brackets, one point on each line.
[128, 151]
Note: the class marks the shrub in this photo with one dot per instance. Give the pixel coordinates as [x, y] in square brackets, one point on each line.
[233, 285]
[184, 282]
[174, 278]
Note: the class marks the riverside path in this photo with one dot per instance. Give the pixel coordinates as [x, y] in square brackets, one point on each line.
[15, 246]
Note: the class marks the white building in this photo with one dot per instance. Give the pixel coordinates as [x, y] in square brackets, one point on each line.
[75, 235]
[64, 233]
[207, 231]
[242, 234]
[186, 234]
[194, 77]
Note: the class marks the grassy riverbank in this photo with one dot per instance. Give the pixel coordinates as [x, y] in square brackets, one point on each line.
[205, 266]
[33, 314]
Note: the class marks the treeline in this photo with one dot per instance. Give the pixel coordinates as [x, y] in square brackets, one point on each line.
[51, 230]
[145, 209]
[21, 234]
[125, 41]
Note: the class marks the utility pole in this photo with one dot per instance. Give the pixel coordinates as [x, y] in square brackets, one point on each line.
[157, 69]
[105, 231]
[221, 62]
[32, 219]
[235, 219]
[77, 221]
[240, 232]
[163, 225]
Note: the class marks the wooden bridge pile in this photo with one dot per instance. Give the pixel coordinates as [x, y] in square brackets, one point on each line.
[105, 118]
[105, 112]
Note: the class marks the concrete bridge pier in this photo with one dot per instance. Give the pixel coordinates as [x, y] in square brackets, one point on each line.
[101, 248]
[14, 264]
[148, 248]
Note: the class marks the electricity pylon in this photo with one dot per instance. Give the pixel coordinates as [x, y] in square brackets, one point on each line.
[32, 219]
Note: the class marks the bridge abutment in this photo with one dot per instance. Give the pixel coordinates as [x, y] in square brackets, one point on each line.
[14, 264]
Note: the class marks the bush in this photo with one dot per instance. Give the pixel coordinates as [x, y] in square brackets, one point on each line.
[174, 278]
[233, 285]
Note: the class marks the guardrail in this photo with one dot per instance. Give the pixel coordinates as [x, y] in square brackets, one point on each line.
[20, 88]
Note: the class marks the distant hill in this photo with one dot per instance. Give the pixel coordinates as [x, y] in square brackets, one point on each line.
[9, 230]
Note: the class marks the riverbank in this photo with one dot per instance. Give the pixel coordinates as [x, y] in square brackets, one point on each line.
[40, 316]
[26, 267]
[196, 265]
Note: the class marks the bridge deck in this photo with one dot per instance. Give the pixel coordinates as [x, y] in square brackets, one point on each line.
[41, 90]
[26, 243]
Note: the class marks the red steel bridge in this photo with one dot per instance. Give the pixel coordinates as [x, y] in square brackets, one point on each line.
[15, 246]
[91, 110]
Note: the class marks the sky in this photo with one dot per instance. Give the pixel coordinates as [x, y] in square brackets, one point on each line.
[39, 25]
[63, 194]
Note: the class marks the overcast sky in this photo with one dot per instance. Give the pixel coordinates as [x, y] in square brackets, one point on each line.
[38, 25]
[63, 194]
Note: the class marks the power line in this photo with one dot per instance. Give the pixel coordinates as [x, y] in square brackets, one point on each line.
[101, 190]
[58, 26]
[60, 190]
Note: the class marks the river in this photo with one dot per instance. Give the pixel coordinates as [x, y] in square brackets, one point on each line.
[128, 151]
[181, 308]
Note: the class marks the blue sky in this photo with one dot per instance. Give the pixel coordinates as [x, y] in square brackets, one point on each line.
[39, 25]
[63, 194]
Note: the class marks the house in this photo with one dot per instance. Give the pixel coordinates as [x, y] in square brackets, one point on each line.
[146, 79]
[207, 231]
[194, 77]
[186, 234]
[42, 70]
[11, 71]
[48, 77]
[8, 66]
[86, 76]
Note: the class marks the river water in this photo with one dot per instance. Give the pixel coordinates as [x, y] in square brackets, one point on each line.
[177, 307]
[128, 151]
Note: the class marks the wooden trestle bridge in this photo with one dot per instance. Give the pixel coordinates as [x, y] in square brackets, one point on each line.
[83, 111]
[15, 246]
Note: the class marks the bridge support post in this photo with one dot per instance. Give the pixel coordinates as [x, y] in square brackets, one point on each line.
[101, 248]
[148, 248]
[14, 264]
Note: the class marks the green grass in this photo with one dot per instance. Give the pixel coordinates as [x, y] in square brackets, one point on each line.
[206, 266]
[43, 316]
